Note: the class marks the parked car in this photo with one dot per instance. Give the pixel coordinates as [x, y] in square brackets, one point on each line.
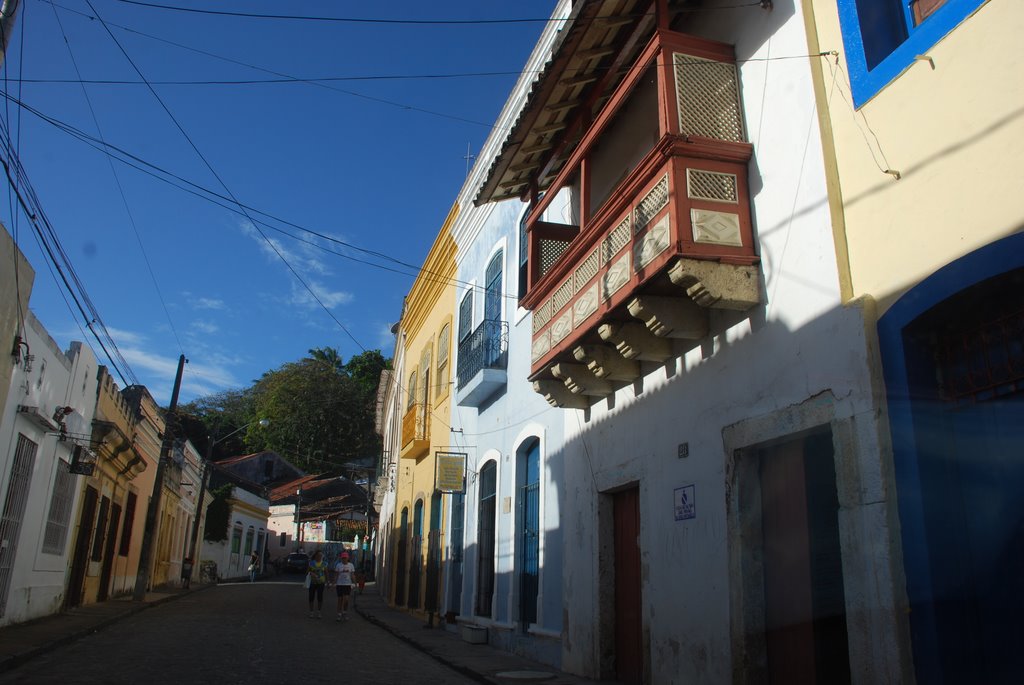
[296, 562]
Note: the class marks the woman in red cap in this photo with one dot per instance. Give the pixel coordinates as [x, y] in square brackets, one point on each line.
[343, 571]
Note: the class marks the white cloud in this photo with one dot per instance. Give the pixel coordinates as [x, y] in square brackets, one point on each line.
[330, 298]
[208, 303]
[123, 337]
[206, 327]
[303, 257]
[156, 371]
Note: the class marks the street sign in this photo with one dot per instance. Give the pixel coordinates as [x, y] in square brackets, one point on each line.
[451, 471]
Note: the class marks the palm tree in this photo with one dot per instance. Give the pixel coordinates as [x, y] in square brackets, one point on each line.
[329, 356]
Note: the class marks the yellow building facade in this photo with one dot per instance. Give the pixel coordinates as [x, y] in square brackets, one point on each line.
[112, 516]
[921, 107]
[424, 389]
[165, 566]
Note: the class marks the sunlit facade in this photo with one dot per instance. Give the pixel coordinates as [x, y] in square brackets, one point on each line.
[412, 553]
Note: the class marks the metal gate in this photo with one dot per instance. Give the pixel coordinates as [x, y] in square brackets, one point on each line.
[14, 511]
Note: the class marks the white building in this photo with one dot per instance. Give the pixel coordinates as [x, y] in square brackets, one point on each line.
[46, 427]
[505, 558]
[390, 408]
[681, 272]
[247, 521]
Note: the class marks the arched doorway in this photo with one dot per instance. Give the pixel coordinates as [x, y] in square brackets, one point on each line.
[953, 354]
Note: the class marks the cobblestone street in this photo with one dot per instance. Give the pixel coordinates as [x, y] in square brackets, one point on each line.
[238, 633]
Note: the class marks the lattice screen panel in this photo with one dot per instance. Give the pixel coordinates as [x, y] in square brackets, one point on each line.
[550, 251]
[711, 185]
[615, 241]
[652, 203]
[587, 270]
[707, 94]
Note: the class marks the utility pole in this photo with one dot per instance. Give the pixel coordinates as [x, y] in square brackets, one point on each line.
[203, 482]
[150, 534]
[7, 11]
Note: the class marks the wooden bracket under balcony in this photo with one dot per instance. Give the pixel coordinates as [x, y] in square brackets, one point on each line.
[634, 341]
[605, 362]
[670, 317]
[580, 380]
[557, 395]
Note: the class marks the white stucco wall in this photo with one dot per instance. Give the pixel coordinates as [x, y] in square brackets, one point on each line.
[497, 430]
[249, 510]
[56, 379]
[776, 363]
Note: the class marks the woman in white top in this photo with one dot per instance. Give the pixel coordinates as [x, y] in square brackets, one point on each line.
[343, 573]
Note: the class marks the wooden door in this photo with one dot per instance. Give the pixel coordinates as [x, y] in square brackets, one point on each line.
[80, 559]
[805, 603]
[629, 661]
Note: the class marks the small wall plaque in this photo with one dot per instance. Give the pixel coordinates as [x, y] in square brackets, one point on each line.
[685, 502]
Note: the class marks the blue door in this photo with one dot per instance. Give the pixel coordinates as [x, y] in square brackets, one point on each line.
[530, 538]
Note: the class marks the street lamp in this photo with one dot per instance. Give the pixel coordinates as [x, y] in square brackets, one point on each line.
[298, 519]
[204, 481]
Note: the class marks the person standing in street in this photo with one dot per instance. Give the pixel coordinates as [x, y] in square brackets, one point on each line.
[186, 572]
[343, 573]
[316, 580]
[254, 566]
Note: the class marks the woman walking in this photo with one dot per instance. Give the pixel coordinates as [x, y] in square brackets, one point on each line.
[316, 579]
[254, 566]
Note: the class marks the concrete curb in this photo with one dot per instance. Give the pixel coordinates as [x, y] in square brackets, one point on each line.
[458, 668]
[16, 660]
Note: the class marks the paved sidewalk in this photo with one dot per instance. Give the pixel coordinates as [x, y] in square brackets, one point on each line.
[22, 641]
[482, 663]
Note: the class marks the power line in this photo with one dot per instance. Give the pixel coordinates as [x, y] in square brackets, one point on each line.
[327, 86]
[282, 79]
[344, 20]
[416, 22]
[120, 188]
[220, 180]
[225, 202]
[54, 252]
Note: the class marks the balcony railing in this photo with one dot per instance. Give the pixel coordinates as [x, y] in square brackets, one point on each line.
[416, 430]
[485, 348]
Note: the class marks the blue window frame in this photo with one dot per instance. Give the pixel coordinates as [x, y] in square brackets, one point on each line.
[882, 40]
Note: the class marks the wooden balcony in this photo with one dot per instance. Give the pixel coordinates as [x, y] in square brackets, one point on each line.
[416, 431]
[670, 239]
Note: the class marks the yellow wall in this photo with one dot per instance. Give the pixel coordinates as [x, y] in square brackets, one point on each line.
[120, 469]
[430, 306]
[955, 134]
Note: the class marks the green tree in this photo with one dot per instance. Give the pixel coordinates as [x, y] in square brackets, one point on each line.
[218, 415]
[218, 514]
[321, 412]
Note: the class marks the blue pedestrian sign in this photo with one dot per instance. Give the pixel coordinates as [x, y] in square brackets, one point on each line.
[685, 503]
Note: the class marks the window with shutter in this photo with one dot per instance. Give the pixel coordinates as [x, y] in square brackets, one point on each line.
[884, 37]
[443, 342]
[466, 316]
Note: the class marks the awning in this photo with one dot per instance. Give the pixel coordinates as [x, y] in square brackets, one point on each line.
[599, 40]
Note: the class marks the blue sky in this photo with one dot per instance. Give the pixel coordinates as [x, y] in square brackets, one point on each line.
[375, 163]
